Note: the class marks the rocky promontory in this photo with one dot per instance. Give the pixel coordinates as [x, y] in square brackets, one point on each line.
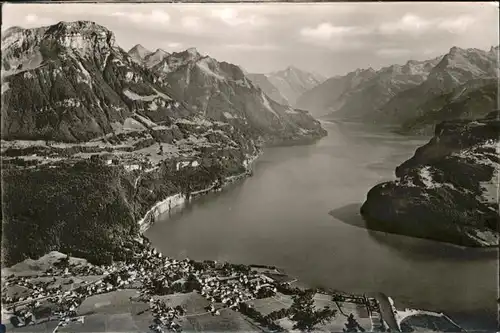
[448, 191]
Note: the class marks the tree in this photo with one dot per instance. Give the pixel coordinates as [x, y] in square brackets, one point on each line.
[265, 292]
[303, 312]
[192, 284]
[352, 325]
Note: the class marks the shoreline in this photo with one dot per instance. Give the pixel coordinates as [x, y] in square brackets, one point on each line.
[178, 199]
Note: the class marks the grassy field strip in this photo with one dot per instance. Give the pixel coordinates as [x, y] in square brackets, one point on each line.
[279, 300]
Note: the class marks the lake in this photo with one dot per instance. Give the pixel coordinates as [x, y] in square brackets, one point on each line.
[300, 211]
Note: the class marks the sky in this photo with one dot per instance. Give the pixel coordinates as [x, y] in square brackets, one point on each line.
[326, 38]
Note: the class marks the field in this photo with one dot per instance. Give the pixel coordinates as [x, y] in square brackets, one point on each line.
[227, 321]
[192, 302]
[344, 309]
[267, 305]
[119, 311]
[198, 319]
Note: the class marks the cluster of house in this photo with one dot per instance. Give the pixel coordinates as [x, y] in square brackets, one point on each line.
[226, 287]
[129, 162]
[50, 294]
[235, 289]
[164, 316]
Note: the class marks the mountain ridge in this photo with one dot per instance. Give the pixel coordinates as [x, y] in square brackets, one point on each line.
[222, 91]
[83, 85]
[396, 94]
[455, 68]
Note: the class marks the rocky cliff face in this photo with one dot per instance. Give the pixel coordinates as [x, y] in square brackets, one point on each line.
[221, 91]
[448, 191]
[70, 82]
[138, 53]
[261, 81]
[471, 100]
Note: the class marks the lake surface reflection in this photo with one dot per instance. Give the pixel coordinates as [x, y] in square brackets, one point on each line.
[300, 212]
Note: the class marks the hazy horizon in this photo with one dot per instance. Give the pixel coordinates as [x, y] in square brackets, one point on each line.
[332, 39]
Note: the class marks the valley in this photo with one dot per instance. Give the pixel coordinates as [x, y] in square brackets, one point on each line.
[165, 188]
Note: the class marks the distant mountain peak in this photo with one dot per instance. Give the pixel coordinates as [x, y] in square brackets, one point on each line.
[154, 58]
[166, 62]
[139, 48]
[161, 51]
[192, 51]
[139, 52]
[288, 70]
[293, 68]
[474, 61]
[292, 81]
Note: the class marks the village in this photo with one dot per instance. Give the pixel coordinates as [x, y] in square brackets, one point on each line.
[52, 297]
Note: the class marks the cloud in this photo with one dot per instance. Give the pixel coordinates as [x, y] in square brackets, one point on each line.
[414, 25]
[456, 25]
[233, 18]
[33, 19]
[325, 31]
[333, 37]
[409, 23]
[191, 22]
[155, 16]
[174, 45]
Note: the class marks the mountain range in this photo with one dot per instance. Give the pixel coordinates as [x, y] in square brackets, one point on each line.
[148, 58]
[405, 94]
[71, 82]
[94, 136]
[455, 68]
